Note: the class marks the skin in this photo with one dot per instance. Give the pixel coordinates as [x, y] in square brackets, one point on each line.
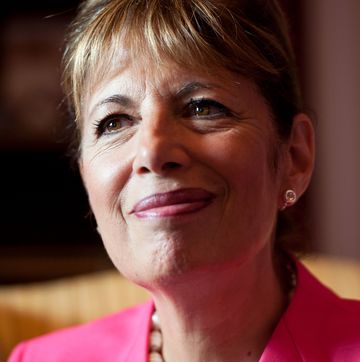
[211, 270]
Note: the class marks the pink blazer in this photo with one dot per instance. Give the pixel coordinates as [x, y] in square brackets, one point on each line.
[318, 326]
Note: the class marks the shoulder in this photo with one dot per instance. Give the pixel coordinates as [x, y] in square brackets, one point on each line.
[322, 324]
[106, 339]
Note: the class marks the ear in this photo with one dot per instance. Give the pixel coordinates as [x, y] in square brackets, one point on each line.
[300, 155]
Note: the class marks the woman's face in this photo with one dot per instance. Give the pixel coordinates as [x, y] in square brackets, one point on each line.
[179, 166]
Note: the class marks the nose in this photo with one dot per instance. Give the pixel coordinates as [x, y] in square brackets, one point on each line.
[160, 149]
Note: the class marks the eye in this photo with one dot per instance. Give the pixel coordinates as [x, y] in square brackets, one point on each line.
[201, 110]
[113, 123]
[206, 108]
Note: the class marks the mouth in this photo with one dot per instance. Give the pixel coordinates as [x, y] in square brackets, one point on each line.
[174, 203]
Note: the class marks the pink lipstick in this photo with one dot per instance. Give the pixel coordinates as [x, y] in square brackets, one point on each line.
[178, 202]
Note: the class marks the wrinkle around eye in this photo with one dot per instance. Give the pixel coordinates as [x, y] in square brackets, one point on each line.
[110, 142]
[220, 124]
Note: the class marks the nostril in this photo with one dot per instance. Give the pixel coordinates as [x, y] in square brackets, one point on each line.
[143, 170]
[171, 166]
[160, 157]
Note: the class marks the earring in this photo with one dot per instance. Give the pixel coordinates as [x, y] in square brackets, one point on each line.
[289, 199]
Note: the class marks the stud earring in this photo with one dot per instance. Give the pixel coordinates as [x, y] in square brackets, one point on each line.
[289, 199]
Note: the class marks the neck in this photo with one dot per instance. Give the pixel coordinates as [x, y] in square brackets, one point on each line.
[224, 314]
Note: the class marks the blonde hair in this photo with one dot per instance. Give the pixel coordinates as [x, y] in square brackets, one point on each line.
[249, 37]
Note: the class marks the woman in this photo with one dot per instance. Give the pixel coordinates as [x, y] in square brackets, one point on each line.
[192, 145]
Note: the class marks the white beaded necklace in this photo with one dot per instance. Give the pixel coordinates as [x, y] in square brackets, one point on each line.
[156, 340]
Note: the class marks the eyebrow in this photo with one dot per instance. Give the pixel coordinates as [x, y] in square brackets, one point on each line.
[192, 87]
[117, 99]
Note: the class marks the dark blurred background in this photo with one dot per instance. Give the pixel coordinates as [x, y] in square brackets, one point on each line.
[45, 227]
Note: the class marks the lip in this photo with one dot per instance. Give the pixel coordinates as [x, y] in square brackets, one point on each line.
[173, 203]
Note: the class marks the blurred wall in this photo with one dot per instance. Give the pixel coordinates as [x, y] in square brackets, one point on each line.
[45, 227]
[331, 53]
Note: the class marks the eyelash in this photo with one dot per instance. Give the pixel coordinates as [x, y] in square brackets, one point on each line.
[100, 125]
[204, 102]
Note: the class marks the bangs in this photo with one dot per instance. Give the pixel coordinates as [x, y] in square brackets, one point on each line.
[192, 33]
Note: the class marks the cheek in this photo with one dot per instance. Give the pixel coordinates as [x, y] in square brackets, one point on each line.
[104, 179]
[245, 162]
[252, 186]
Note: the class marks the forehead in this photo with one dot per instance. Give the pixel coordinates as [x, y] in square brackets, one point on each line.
[137, 78]
[125, 59]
